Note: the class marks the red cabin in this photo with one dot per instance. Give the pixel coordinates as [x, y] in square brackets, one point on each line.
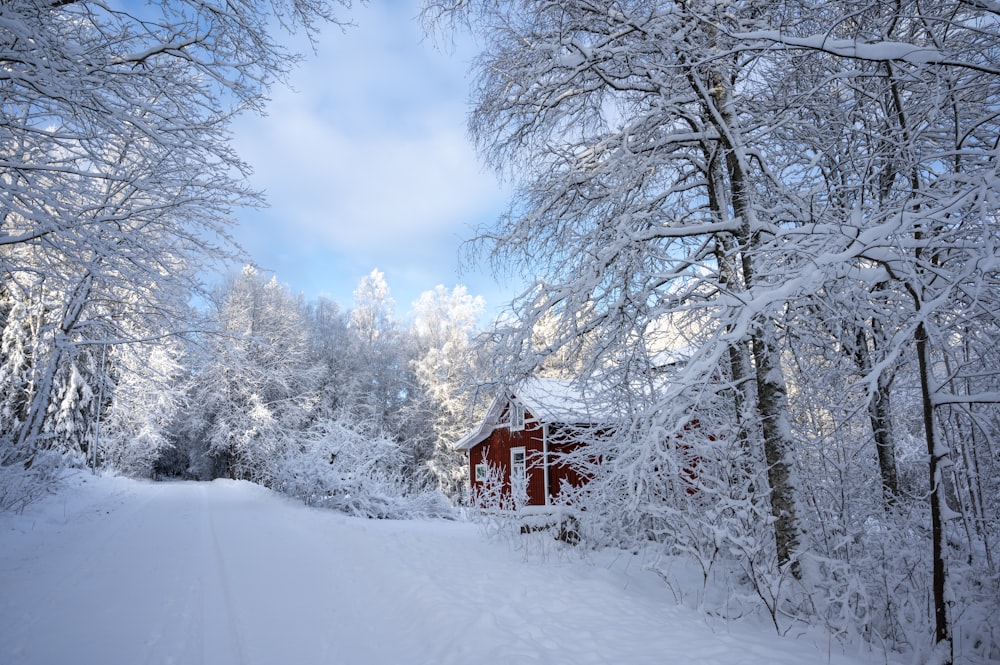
[525, 436]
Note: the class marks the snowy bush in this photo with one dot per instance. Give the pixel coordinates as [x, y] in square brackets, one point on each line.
[503, 515]
[354, 471]
[491, 505]
[20, 487]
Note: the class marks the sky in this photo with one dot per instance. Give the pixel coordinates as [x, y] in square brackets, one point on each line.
[366, 164]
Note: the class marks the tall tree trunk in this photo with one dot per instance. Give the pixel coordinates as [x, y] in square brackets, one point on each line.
[942, 633]
[773, 401]
[879, 414]
[27, 438]
[772, 394]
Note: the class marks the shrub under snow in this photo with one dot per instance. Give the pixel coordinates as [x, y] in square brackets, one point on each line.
[355, 472]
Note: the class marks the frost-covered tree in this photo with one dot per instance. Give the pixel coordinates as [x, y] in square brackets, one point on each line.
[117, 180]
[906, 167]
[630, 130]
[254, 388]
[382, 390]
[293, 395]
[141, 406]
[19, 345]
[444, 325]
[330, 347]
[377, 384]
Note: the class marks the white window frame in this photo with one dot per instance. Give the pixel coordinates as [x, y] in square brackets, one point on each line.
[515, 468]
[519, 476]
[516, 416]
[482, 472]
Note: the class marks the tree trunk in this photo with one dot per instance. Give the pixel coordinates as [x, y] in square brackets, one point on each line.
[31, 429]
[772, 399]
[942, 633]
[879, 414]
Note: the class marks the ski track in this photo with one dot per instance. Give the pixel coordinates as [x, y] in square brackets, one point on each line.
[228, 573]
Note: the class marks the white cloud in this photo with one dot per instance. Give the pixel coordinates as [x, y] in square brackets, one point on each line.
[351, 191]
[367, 162]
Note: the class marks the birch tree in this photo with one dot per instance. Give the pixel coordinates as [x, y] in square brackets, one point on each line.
[920, 184]
[377, 386]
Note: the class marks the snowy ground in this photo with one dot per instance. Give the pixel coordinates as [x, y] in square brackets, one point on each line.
[111, 571]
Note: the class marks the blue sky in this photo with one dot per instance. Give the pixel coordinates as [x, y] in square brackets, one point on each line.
[366, 164]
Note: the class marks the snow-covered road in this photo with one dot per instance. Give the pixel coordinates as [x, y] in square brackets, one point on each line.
[113, 572]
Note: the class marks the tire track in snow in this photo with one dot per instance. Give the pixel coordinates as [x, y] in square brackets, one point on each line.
[221, 644]
[173, 626]
[110, 579]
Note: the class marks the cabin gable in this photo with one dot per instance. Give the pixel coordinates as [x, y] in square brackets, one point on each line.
[497, 451]
[516, 438]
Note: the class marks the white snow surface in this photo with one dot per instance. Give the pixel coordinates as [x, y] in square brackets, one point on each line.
[111, 571]
[559, 401]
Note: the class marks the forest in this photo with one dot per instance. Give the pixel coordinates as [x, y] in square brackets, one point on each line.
[796, 202]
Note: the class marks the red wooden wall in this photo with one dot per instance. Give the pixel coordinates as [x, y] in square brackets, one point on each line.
[562, 440]
[495, 451]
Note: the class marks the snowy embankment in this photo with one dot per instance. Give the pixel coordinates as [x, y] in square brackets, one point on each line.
[111, 571]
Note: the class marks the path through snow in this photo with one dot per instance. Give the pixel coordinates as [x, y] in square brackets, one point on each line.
[116, 572]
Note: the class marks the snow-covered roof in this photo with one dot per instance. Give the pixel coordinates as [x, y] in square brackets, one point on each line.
[485, 427]
[557, 401]
[672, 356]
[548, 400]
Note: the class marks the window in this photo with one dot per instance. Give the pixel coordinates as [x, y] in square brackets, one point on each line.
[518, 478]
[517, 465]
[516, 417]
[482, 473]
